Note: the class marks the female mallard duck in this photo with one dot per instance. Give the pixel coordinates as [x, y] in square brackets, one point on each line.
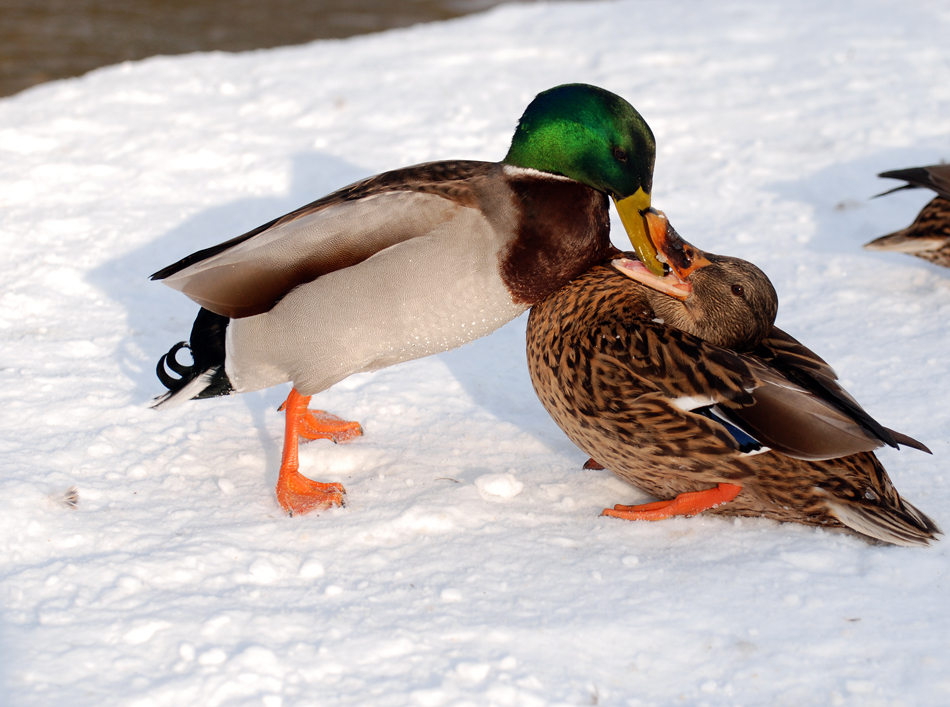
[928, 237]
[409, 263]
[682, 386]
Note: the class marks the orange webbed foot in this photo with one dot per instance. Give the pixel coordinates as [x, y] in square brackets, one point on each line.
[295, 492]
[686, 504]
[319, 424]
[298, 495]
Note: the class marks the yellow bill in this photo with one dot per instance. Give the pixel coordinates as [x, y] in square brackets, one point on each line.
[632, 214]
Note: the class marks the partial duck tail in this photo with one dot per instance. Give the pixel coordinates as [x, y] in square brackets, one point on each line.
[905, 525]
[875, 509]
[205, 377]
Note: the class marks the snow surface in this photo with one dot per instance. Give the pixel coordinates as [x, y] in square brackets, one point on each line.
[470, 566]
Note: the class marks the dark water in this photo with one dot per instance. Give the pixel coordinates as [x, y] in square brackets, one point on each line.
[42, 40]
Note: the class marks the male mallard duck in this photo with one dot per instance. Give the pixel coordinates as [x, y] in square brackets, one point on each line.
[682, 386]
[928, 237]
[409, 263]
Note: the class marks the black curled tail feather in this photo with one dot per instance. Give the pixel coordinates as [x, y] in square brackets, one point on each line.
[169, 362]
[205, 377]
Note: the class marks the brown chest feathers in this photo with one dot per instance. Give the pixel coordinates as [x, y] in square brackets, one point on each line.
[563, 230]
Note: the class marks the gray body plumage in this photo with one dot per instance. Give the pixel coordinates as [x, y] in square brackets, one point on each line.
[420, 297]
[400, 266]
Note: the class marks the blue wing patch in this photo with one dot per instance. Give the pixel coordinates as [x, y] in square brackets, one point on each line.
[747, 443]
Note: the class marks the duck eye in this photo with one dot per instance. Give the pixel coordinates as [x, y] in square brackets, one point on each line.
[620, 154]
[738, 290]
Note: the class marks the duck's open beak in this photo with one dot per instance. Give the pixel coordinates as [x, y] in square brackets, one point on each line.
[682, 258]
[633, 210]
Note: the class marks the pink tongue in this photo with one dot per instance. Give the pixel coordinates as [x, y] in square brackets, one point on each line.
[636, 266]
[632, 265]
[670, 283]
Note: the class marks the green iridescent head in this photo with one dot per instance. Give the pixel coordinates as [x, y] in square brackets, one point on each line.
[588, 134]
[596, 138]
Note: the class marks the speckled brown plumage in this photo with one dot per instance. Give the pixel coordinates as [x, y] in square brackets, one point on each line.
[614, 375]
[928, 237]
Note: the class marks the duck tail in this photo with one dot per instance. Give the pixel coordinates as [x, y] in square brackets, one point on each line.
[884, 516]
[907, 526]
[205, 377]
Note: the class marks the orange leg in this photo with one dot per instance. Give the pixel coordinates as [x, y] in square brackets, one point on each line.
[686, 504]
[295, 492]
[593, 464]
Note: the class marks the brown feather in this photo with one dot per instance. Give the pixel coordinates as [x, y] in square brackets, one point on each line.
[928, 237]
[936, 177]
[611, 375]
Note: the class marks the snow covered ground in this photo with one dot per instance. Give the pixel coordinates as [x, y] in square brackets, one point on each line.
[470, 566]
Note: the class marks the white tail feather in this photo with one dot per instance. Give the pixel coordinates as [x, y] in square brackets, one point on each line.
[188, 391]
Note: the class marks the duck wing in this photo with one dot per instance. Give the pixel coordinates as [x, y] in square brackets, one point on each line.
[782, 397]
[801, 410]
[249, 274]
[935, 177]
[783, 350]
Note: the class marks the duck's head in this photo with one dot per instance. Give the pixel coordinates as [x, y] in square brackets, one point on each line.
[594, 137]
[726, 301]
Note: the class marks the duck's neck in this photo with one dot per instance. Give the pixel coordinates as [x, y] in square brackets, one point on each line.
[562, 230]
